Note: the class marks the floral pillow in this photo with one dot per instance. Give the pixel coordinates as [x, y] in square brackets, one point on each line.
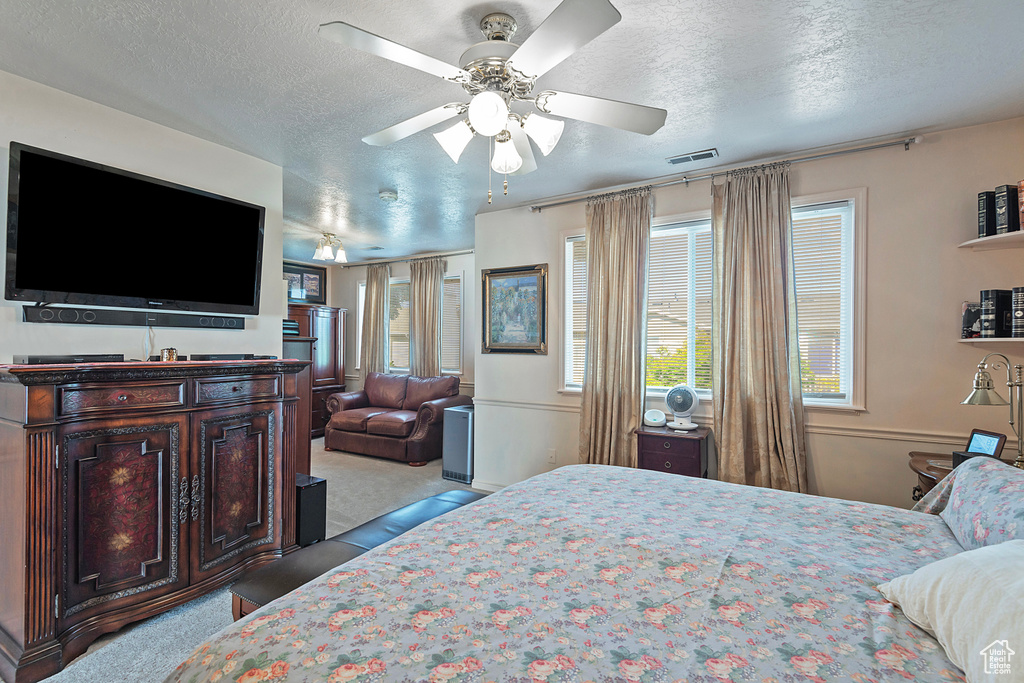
[981, 501]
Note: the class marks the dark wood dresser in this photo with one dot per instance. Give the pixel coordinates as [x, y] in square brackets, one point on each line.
[129, 488]
[327, 325]
[665, 450]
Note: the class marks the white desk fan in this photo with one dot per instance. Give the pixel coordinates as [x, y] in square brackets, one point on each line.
[682, 401]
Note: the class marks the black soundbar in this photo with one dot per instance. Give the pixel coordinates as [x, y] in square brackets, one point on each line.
[62, 360]
[104, 316]
[231, 356]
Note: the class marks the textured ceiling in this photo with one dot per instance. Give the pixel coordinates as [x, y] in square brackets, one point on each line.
[752, 78]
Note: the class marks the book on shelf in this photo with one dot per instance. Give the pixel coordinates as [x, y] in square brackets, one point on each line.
[1007, 209]
[996, 313]
[970, 320]
[1017, 306]
[986, 213]
[1020, 203]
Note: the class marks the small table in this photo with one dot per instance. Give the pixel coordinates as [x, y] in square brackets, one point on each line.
[665, 450]
[931, 468]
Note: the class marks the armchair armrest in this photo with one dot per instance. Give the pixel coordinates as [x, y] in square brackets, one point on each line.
[347, 401]
[432, 412]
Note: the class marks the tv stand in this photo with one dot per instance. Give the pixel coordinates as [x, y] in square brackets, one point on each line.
[108, 316]
[203, 453]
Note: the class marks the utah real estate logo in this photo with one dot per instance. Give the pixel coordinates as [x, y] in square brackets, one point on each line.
[997, 656]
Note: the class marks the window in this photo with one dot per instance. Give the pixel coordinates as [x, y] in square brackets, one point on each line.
[398, 338]
[398, 330]
[679, 303]
[451, 325]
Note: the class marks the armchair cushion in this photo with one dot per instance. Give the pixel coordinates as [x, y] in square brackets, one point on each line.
[385, 391]
[420, 389]
[355, 420]
[394, 423]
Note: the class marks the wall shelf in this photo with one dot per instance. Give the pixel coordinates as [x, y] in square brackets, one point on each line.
[1008, 240]
[992, 340]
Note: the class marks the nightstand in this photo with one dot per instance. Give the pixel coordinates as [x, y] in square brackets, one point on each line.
[930, 469]
[665, 450]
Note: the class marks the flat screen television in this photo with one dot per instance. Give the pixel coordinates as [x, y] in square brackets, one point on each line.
[79, 232]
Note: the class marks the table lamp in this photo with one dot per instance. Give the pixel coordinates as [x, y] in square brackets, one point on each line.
[984, 394]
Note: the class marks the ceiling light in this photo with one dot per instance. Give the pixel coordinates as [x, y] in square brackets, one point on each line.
[544, 132]
[488, 113]
[325, 249]
[341, 257]
[454, 140]
[328, 254]
[506, 158]
[318, 255]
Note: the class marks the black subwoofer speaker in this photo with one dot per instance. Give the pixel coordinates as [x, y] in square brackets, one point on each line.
[311, 509]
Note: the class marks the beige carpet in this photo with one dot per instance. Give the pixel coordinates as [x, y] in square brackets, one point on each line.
[359, 488]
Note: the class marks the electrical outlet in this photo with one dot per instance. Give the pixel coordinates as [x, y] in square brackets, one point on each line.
[552, 456]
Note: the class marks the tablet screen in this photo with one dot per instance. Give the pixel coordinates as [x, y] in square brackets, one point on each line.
[983, 443]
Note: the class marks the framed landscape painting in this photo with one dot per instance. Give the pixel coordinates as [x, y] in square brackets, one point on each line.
[306, 284]
[515, 309]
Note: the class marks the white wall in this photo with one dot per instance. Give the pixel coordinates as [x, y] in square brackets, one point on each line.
[44, 117]
[344, 282]
[920, 205]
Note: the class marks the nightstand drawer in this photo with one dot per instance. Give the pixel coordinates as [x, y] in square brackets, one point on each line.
[665, 445]
[673, 463]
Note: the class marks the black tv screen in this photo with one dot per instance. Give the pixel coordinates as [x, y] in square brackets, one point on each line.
[79, 232]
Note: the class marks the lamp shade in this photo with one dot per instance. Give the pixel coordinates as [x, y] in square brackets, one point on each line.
[341, 256]
[984, 393]
[544, 132]
[488, 113]
[318, 255]
[454, 140]
[328, 252]
[506, 158]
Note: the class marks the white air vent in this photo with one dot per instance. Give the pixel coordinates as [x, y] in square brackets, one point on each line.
[694, 156]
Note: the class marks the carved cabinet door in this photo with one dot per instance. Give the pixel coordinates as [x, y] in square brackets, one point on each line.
[123, 535]
[236, 486]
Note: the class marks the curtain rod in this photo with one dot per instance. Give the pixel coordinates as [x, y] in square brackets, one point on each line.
[906, 142]
[408, 258]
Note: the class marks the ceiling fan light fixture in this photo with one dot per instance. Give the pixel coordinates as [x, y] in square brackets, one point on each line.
[454, 140]
[544, 132]
[488, 113]
[506, 157]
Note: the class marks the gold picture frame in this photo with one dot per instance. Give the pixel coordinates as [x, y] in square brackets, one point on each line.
[515, 310]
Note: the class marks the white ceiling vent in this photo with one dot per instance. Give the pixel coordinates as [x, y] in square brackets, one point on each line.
[694, 156]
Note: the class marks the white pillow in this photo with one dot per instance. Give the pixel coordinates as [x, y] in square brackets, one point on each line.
[973, 603]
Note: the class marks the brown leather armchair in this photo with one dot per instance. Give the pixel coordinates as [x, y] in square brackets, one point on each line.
[399, 417]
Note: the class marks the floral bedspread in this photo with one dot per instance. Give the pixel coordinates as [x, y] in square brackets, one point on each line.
[596, 573]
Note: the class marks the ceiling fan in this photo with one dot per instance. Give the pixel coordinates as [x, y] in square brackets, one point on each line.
[497, 73]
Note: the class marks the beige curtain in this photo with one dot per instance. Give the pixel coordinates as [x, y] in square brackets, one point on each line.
[426, 283]
[618, 237]
[759, 412]
[373, 349]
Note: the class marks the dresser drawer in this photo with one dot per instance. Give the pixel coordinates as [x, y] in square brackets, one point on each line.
[83, 399]
[673, 463]
[665, 445]
[230, 389]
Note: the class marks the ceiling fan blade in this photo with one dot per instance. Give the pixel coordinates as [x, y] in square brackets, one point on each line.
[623, 115]
[413, 125]
[350, 36]
[522, 144]
[573, 24]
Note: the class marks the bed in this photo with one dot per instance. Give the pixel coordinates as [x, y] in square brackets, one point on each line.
[610, 574]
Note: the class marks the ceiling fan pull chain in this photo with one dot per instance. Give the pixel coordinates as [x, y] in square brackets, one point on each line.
[490, 150]
[506, 185]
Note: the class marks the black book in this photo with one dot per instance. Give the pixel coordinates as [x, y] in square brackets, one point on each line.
[986, 213]
[996, 313]
[1007, 215]
[1017, 304]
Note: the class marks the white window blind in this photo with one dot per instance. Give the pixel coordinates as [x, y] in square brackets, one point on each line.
[679, 307]
[576, 310]
[822, 257]
[398, 333]
[451, 325]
